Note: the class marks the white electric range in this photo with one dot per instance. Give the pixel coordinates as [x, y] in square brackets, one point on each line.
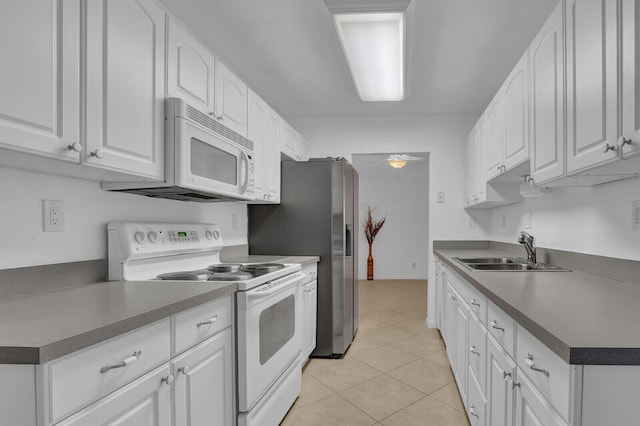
[268, 301]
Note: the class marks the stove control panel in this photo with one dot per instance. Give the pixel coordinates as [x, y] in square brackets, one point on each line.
[138, 240]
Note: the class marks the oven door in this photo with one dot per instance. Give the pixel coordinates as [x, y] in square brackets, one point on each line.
[269, 333]
[206, 161]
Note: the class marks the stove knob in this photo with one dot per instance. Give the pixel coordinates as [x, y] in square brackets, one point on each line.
[216, 234]
[208, 234]
[153, 237]
[140, 237]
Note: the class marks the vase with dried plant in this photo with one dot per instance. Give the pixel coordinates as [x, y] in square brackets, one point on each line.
[371, 229]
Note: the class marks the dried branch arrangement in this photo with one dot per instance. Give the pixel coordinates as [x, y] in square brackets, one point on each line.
[371, 226]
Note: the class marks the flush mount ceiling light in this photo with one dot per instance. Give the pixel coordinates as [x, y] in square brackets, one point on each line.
[398, 161]
[372, 37]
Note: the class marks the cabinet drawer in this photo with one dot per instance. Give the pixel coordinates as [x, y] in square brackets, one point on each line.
[553, 382]
[478, 304]
[85, 376]
[459, 284]
[195, 325]
[478, 350]
[502, 328]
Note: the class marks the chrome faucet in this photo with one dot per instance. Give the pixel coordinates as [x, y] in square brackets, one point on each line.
[529, 245]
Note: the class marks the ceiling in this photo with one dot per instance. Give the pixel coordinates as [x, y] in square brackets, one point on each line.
[288, 53]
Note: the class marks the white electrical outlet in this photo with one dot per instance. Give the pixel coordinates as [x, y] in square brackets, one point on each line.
[635, 215]
[413, 265]
[440, 197]
[52, 216]
[527, 220]
[472, 221]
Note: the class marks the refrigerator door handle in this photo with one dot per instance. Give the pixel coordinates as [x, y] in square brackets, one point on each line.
[347, 239]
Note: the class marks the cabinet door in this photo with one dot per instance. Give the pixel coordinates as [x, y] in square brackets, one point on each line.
[190, 68]
[592, 83]
[304, 149]
[515, 114]
[480, 176]
[461, 368]
[494, 140]
[125, 93]
[274, 137]
[311, 308]
[531, 408]
[449, 320]
[630, 93]
[546, 99]
[231, 99]
[469, 189]
[257, 133]
[203, 387]
[500, 373]
[40, 102]
[477, 403]
[144, 402]
[290, 141]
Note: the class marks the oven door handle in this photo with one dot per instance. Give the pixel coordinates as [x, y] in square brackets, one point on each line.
[256, 295]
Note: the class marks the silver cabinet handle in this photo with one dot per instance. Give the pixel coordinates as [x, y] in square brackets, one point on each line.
[606, 147]
[494, 324]
[168, 380]
[505, 374]
[75, 147]
[532, 365]
[208, 322]
[474, 303]
[473, 350]
[98, 153]
[184, 369]
[129, 360]
[472, 411]
[622, 141]
[217, 117]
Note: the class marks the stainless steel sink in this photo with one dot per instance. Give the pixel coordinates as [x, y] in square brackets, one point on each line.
[490, 260]
[507, 264]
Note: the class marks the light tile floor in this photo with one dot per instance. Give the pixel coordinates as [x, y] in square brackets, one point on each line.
[396, 371]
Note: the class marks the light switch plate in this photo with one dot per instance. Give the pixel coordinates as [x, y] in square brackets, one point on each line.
[635, 215]
[472, 221]
[440, 197]
[527, 220]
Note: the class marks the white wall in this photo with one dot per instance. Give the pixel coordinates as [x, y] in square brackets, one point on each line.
[441, 136]
[88, 209]
[594, 220]
[400, 248]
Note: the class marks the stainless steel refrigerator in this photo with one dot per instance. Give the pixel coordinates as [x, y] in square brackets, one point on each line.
[317, 216]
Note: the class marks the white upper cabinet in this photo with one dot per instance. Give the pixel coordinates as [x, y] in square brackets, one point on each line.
[304, 149]
[125, 87]
[546, 123]
[190, 68]
[494, 138]
[630, 49]
[480, 176]
[290, 141]
[515, 115]
[231, 100]
[274, 132]
[592, 83]
[40, 82]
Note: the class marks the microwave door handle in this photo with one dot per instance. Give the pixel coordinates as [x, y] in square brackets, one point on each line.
[244, 172]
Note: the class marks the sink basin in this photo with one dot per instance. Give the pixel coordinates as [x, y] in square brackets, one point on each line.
[491, 260]
[516, 267]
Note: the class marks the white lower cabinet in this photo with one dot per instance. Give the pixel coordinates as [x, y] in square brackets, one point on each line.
[309, 311]
[462, 318]
[202, 391]
[134, 379]
[144, 402]
[501, 371]
[531, 407]
[476, 403]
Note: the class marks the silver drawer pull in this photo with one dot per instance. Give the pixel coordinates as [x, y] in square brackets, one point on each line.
[130, 360]
[208, 322]
[472, 349]
[168, 380]
[472, 411]
[473, 302]
[532, 365]
[505, 374]
[494, 324]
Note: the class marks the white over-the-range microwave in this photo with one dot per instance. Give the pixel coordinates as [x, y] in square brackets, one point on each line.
[204, 160]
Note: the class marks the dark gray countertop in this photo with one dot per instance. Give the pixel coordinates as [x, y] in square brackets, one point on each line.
[41, 327]
[584, 318]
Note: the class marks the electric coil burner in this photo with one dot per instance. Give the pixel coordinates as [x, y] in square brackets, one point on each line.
[267, 305]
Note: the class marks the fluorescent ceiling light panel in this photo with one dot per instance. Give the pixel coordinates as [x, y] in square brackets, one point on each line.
[373, 44]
